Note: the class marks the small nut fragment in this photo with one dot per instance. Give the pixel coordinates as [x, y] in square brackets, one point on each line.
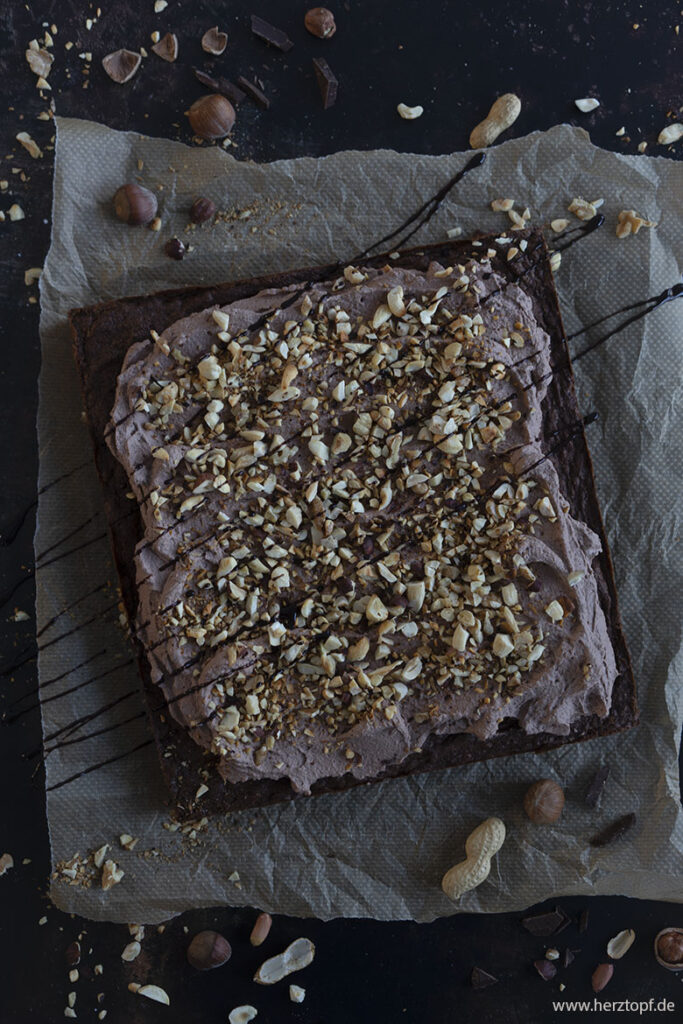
[121, 65]
[242, 1014]
[111, 875]
[669, 948]
[15, 212]
[501, 116]
[214, 41]
[319, 21]
[131, 952]
[480, 847]
[297, 994]
[299, 954]
[212, 116]
[29, 144]
[6, 862]
[629, 222]
[672, 133]
[134, 204]
[410, 113]
[587, 104]
[620, 944]
[602, 975]
[39, 61]
[259, 933]
[202, 210]
[544, 802]
[559, 224]
[207, 950]
[167, 47]
[502, 205]
[583, 209]
[32, 275]
[151, 992]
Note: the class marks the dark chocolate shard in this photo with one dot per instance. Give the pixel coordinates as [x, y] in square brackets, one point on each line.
[596, 786]
[546, 969]
[327, 81]
[583, 921]
[254, 92]
[568, 957]
[550, 923]
[220, 85]
[271, 35]
[614, 831]
[480, 978]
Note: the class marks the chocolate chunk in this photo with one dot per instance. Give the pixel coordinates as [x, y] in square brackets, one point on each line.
[546, 969]
[271, 35]
[254, 92]
[583, 921]
[568, 957]
[596, 786]
[546, 924]
[327, 81]
[482, 979]
[614, 831]
[221, 85]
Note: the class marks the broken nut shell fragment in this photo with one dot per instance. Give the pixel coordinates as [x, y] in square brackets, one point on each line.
[214, 41]
[167, 47]
[669, 948]
[121, 65]
[299, 954]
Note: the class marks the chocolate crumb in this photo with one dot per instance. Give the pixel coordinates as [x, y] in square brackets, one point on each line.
[546, 924]
[271, 35]
[175, 249]
[583, 921]
[546, 969]
[480, 978]
[221, 85]
[327, 81]
[614, 831]
[568, 957]
[253, 92]
[596, 786]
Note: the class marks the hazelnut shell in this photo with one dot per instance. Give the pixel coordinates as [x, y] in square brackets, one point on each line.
[544, 801]
[121, 65]
[669, 948]
[212, 116]
[214, 41]
[134, 204]
[208, 950]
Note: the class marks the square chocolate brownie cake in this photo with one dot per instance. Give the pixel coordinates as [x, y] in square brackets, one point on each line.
[365, 540]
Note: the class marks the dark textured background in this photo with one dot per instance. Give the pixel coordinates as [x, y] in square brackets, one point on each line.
[453, 59]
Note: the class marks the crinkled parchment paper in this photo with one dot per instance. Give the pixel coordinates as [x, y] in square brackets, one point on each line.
[378, 851]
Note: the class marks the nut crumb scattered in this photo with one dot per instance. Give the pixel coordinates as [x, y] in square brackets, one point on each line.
[629, 223]
[6, 862]
[111, 875]
[583, 209]
[409, 113]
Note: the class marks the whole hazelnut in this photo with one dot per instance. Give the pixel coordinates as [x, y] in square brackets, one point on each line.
[543, 802]
[134, 204]
[212, 116]
[175, 249]
[320, 22]
[207, 950]
[669, 948]
[202, 210]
